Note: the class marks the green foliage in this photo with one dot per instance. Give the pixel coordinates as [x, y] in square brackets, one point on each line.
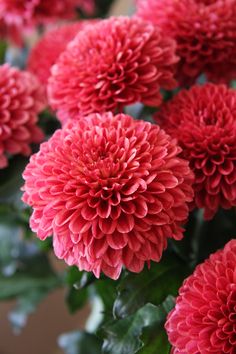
[11, 180]
[106, 289]
[77, 295]
[123, 336]
[28, 278]
[214, 234]
[151, 285]
[3, 48]
[80, 343]
[155, 341]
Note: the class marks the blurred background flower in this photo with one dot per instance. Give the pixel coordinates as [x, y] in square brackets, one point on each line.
[205, 32]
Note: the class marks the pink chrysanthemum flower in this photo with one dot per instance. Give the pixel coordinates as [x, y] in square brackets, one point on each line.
[10, 32]
[117, 62]
[203, 120]
[110, 190]
[46, 52]
[205, 32]
[21, 99]
[30, 12]
[204, 318]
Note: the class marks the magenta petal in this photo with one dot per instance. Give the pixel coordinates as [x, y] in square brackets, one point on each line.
[125, 223]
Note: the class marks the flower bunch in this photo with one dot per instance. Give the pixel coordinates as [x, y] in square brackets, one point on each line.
[139, 183]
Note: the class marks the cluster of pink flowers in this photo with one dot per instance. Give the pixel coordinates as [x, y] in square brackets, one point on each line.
[96, 67]
[109, 189]
[112, 190]
[21, 99]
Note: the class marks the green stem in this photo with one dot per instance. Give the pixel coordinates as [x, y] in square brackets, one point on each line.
[3, 48]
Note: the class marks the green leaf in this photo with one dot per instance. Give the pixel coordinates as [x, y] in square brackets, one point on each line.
[3, 48]
[123, 336]
[33, 272]
[18, 285]
[151, 285]
[214, 234]
[48, 122]
[77, 295]
[185, 248]
[78, 279]
[155, 341]
[80, 343]
[154, 338]
[11, 179]
[74, 276]
[106, 289]
[76, 299]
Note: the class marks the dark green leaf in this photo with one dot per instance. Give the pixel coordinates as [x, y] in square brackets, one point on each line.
[11, 179]
[151, 285]
[155, 341]
[48, 122]
[74, 275]
[106, 290]
[123, 336]
[76, 299]
[18, 285]
[33, 272]
[76, 295]
[185, 248]
[85, 280]
[154, 338]
[3, 47]
[214, 234]
[80, 343]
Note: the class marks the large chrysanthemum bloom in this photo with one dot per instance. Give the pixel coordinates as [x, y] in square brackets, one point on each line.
[21, 99]
[205, 32]
[110, 190]
[117, 62]
[30, 12]
[204, 318]
[203, 120]
[46, 52]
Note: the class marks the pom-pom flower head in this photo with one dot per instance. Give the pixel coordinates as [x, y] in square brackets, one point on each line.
[205, 32]
[117, 62]
[110, 190]
[46, 52]
[204, 317]
[203, 120]
[21, 99]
